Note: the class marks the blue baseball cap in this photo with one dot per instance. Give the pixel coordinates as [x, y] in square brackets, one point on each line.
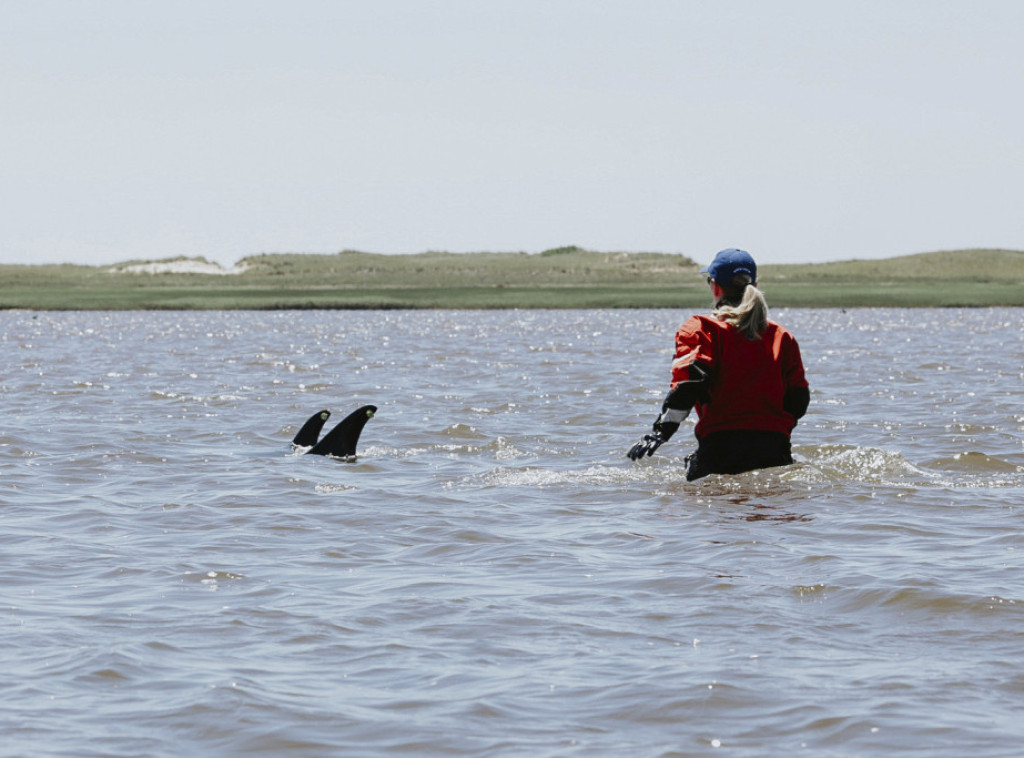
[728, 263]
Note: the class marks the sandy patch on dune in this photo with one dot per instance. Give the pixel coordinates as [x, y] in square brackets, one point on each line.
[182, 266]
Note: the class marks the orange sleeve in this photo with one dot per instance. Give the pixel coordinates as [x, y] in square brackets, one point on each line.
[793, 365]
[693, 344]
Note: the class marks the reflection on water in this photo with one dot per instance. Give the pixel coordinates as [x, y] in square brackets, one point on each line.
[492, 575]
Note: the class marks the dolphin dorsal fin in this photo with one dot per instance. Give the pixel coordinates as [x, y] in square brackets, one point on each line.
[341, 441]
[310, 431]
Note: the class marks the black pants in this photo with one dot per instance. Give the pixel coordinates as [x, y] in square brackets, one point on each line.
[734, 452]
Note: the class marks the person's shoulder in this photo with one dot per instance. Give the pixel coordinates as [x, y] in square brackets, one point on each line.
[779, 331]
[699, 324]
[701, 321]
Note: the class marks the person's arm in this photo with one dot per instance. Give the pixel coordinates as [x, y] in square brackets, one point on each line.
[674, 409]
[797, 396]
[795, 401]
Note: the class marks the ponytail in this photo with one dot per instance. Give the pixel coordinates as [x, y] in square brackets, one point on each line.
[743, 306]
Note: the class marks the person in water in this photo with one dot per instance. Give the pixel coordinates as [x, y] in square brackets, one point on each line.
[741, 372]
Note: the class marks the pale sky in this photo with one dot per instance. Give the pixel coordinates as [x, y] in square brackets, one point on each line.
[799, 130]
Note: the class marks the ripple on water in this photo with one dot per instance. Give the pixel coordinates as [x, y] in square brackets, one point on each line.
[491, 575]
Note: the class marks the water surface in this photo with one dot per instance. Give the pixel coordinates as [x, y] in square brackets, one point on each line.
[492, 576]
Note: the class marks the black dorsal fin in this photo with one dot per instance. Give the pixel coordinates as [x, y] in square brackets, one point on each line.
[310, 431]
[341, 440]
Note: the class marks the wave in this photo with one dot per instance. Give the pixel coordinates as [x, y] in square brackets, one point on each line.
[848, 463]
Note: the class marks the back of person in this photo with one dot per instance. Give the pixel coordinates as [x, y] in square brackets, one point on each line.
[748, 377]
[741, 372]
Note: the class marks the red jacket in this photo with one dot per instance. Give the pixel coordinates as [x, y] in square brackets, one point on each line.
[747, 379]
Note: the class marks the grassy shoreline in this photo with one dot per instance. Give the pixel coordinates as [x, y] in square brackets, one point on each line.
[561, 278]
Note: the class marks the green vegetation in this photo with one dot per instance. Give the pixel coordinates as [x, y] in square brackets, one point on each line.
[566, 277]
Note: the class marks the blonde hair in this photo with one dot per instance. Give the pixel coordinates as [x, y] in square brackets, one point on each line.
[743, 306]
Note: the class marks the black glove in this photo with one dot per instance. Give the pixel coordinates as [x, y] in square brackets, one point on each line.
[646, 446]
[666, 425]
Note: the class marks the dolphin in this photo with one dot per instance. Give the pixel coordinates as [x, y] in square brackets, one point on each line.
[310, 431]
[341, 441]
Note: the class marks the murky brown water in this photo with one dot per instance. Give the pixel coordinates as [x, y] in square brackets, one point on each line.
[493, 576]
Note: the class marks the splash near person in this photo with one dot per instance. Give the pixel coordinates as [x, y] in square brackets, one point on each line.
[741, 372]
